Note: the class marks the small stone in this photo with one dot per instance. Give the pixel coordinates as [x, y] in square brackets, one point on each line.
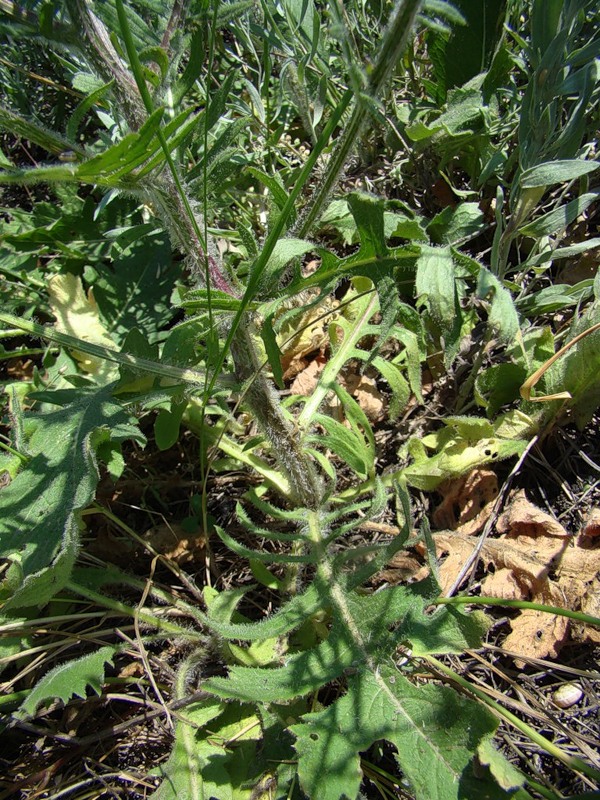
[567, 695]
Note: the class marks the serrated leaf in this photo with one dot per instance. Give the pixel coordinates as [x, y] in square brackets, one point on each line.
[372, 618]
[39, 527]
[434, 729]
[345, 333]
[122, 158]
[215, 754]
[355, 444]
[68, 680]
[508, 776]
[34, 132]
[397, 383]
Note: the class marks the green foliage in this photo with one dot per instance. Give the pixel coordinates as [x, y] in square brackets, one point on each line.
[195, 176]
[39, 531]
[69, 680]
[416, 719]
[481, 23]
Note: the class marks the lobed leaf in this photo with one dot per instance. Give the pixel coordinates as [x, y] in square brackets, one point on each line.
[435, 730]
[68, 680]
[39, 529]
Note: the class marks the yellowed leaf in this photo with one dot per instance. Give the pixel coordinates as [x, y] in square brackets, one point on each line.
[304, 334]
[78, 316]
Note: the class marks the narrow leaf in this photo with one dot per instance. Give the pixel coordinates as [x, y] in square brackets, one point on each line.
[552, 172]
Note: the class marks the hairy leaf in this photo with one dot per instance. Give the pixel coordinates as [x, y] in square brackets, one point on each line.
[68, 680]
[553, 172]
[39, 529]
[435, 730]
[435, 287]
[365, 631]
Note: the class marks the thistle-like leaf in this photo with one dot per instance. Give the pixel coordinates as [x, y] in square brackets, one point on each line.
[39, 527]
[434, 729]
[68, 680]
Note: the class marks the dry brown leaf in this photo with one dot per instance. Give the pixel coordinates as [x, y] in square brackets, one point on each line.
[457, 548]
[467, 501]
[534, 559]
[305, 381]
[590, 604]
[536, 634]
[176, 544]
[403, 567]
[524, 518]
[502, 583]
[591, 527]
[134, 669]
[367, 395]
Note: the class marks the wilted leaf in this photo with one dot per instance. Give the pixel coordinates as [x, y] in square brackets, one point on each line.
[367, 395]
[305, 381]
[467, 501]
[533, 559]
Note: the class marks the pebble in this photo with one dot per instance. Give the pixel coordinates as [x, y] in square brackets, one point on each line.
[567, 695]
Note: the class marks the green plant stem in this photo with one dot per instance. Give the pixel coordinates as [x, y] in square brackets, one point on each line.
[392, 47]
[572, 762]
[176, 206]
[99, 351]
[259, 395]
[305, 485]
[106, 60]
[163, 625]
[22, 458]
[523, 604]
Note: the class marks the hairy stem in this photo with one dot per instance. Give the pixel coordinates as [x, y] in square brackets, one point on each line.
[394, 42]
[306, 487]
[106, 61]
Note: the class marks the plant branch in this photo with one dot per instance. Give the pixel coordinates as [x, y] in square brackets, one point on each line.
[106, 60]
[392, 47]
